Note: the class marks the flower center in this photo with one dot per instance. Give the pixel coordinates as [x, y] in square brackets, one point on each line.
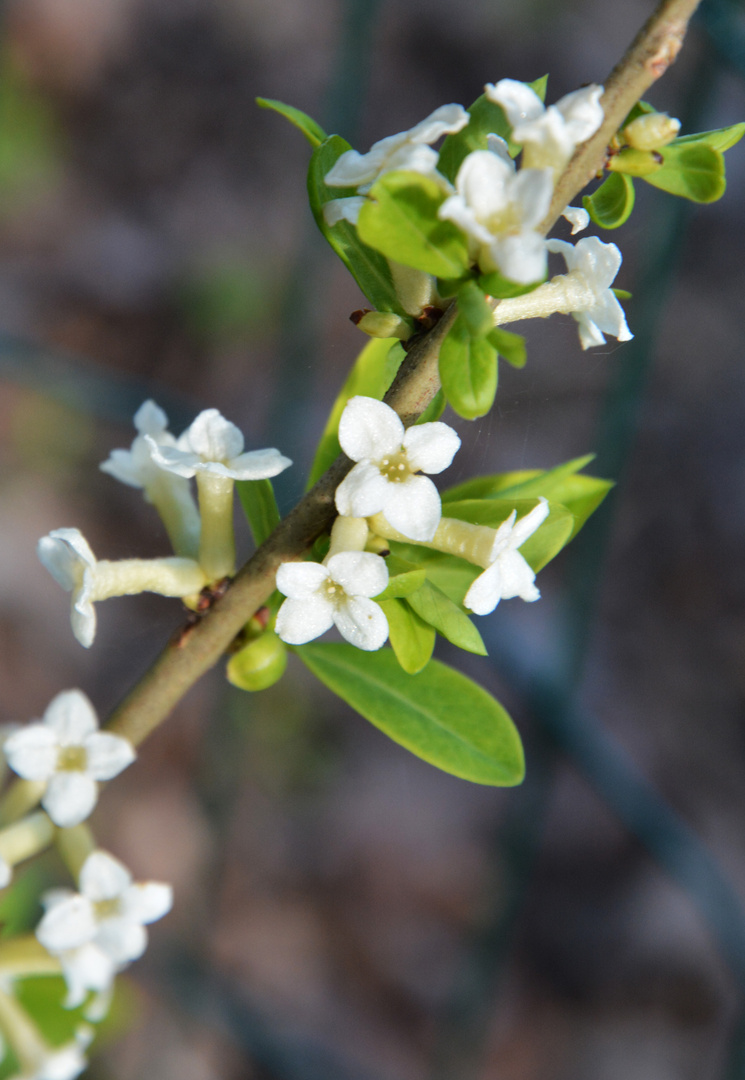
[106, 909]
[333, 592]
[506, 220]
[395, 467]
[72, 759]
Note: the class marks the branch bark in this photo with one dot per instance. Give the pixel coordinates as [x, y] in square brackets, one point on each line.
[189, 655]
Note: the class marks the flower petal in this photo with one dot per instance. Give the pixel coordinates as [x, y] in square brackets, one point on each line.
[485, 592]
[362, 623]
[431, 447]
[65, 553]
[519, 101]
[71, 717]
[83, 619]
[343, 210]
[174, 459]
[69, 798]
[517, 577]
[369, 429]
[521, 258]
[150, 419]
[86, 968]
[300, 580]
[414, 508]
[213, 437]
[300, 621]
[67, 925]
[32, 752]
[121, 939]
[102, 877]
[528, 524]
[582, 112]
[360, 573]
[258, 464]
[445, 120]
[363, 491]
[146, 901]
[577, 217]
[107, 755]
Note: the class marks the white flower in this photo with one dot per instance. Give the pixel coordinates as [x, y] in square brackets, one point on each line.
[550, 135]
[388, 459]
[213, 445]
[109, 913]
[135, 466]
[508, 574]
[499, 209]
[88, 968]
[409, 150]
[598, 264]
[67, 750]
[320, 596]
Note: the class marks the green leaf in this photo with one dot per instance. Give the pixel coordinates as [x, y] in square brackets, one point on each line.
[437, 609]
[452, 576]
[400, 220]
[468, 371]
[540, 548]
[719, 139]
[411, 638]
[402, 585]
[313, 132]
[501, 288]
[259, 506]
[486, 118]
[511, 347]
[523, 484]
[369, 268]
[474, 310]
[372, 374]
[581, 495]
[435, 409]
[693, 172]
[611, 204]
[440, 715]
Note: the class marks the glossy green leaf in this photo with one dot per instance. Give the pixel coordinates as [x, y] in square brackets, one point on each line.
[719, 139]
[259, 506]
[693, 172]
[468, 371]
[437, 609]
[581, 495]
[540, 548]
[452, 576]
[313, 132]
[474, 310]
[501, 288]
[523, 484]
[372, 374]
[511, 347]
[440, 715]
[611, 204]
[411, 638]
[369, 268]
[402, 585]
[400, 220]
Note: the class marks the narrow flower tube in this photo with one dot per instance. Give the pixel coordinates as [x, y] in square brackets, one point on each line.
[23, 839]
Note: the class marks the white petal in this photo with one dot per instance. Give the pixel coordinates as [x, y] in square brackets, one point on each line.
[122, 466]
[485, 592]
[577, 217]
[445, 120]
[495, 144]
[300, 621]
[107, 755]
[300, 580]
[414, 508]
[363, 491]
[83, 619]
[521, 258]
[431, 447]
[532, 189]
[173, 459]
[369, 429]
[69, 798]
[362, 623]
[608, 316]
[63, 1064]
[213, 437]
[65, 553]
[563, 247]
[517, 577]
[589, 335]
[456, 209]
[86, 968]
[121, 939]
[53, 897]
[519, 101]
[528, 524]
[102, 877]
[6, 876]
[67, 925]
[258, 464]
[343, 210]
[147, 901]
[582, 112]
[410, 158]
[150, 419]
[353, 168]
[32, 752]
[360, 573]
[484, 180]
[71, 717]
[598, 261]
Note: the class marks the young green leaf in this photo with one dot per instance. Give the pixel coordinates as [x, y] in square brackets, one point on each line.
[523, 484]
[369, 268]
[448, 619]
[501, 288]
[435, 409]
[474, 310]
[402, 585]
[693, 171]
[400, 220]
[511, 347]
[313, 132]
[259, 506]
[611, 204]
[411, 638]
[468, 371]
[440, 715]
[720, 139]
[372, 374]
[452, 576]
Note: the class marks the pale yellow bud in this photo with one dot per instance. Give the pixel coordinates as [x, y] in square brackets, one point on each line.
[651, 131]
[382, 324]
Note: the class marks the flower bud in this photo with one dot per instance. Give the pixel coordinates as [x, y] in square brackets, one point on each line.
[258, 665]
[635, 162]
[381, 324]
[651, 131]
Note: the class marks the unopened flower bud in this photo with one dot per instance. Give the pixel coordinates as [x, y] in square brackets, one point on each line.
[258, 665]
[651, 131]
[381, 324]
[635, 162]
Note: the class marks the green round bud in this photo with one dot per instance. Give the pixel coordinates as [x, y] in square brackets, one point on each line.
[259, 664]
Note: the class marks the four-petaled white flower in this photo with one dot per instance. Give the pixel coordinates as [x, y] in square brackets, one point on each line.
[320, 596]
[550, 135]
[508, 574]
[211, 444]
[388, 459]
[68, 752]
[598, 264]
[99, 930]
[409, 150]
[499, 208]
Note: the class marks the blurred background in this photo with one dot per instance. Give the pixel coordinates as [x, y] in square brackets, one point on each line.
[344, 911]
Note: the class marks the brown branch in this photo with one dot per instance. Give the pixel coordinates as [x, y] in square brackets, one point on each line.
[187, 657]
